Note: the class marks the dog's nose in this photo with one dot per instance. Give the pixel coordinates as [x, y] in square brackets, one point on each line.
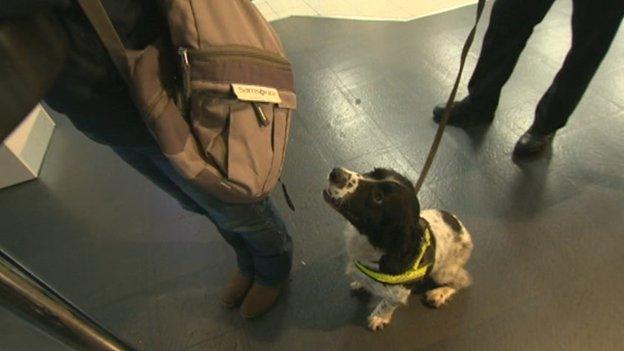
[338, 177]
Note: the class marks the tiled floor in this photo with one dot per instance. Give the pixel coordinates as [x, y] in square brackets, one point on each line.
[398, 10]
[548, 235]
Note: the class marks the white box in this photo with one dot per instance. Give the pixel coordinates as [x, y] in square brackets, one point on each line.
[22, 152]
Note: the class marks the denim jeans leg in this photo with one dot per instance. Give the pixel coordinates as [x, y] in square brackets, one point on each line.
[271, 247]
[264, 235]
[255, 231]
[150, 163]
[244, 259]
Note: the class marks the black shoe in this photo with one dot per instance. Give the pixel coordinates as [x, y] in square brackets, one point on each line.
[532, 143]
[465, 114]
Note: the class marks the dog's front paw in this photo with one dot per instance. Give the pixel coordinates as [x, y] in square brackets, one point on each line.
[356, 286]
[439, 296]
[377, 323]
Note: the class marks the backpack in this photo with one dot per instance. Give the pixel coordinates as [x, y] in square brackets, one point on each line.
[216, 92]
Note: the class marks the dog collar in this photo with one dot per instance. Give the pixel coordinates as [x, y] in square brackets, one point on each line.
[417, 271]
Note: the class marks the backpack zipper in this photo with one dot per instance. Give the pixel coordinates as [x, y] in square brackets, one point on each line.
[234, 51]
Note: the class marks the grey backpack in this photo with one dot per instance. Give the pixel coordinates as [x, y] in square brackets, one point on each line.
[217, 93]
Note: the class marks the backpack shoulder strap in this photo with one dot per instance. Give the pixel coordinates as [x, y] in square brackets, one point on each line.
[96, 13]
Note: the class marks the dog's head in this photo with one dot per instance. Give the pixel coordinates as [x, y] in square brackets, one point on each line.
[382, 205]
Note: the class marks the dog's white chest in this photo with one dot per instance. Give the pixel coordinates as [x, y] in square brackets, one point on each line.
[359, 248]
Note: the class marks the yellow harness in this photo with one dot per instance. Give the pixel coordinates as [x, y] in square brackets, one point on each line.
[416, 272]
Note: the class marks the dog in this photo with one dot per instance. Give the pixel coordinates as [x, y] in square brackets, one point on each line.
[386, 235]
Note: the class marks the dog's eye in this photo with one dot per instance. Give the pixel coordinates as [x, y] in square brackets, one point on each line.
[377, 196]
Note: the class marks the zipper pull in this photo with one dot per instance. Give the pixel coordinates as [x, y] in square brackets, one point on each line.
[183, 52]
[186, 71]
[260, 114]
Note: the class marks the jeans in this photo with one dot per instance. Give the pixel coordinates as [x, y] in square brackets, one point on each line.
[594, 25]
[255, 231]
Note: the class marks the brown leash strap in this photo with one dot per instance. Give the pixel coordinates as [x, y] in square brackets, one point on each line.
[96, 13]
[447, 111]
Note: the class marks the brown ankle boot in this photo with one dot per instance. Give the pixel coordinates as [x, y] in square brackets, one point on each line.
[235, 291]
[259, 300]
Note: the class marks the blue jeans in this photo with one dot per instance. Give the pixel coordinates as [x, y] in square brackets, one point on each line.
[255, 231]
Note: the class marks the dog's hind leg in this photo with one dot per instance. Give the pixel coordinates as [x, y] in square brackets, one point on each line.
[382, 314]
[451, 280]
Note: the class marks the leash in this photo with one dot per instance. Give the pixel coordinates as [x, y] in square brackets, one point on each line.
[447, 111]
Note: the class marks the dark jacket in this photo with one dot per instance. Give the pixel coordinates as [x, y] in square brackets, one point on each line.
[89, 90]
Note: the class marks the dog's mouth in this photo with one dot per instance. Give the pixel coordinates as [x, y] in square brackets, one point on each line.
[333, 202]
[339, 206]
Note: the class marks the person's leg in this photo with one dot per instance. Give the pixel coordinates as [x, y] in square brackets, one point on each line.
[271, 247]
[594, 25]
[511, 25]
[140, 159]
[258, 235]
[149, 162]
[241, 281]
[260, 230]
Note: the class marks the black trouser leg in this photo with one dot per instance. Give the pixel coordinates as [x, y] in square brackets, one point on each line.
[511, 25]
[594, 25]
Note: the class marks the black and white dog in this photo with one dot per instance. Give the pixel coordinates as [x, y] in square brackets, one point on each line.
[386, 235]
